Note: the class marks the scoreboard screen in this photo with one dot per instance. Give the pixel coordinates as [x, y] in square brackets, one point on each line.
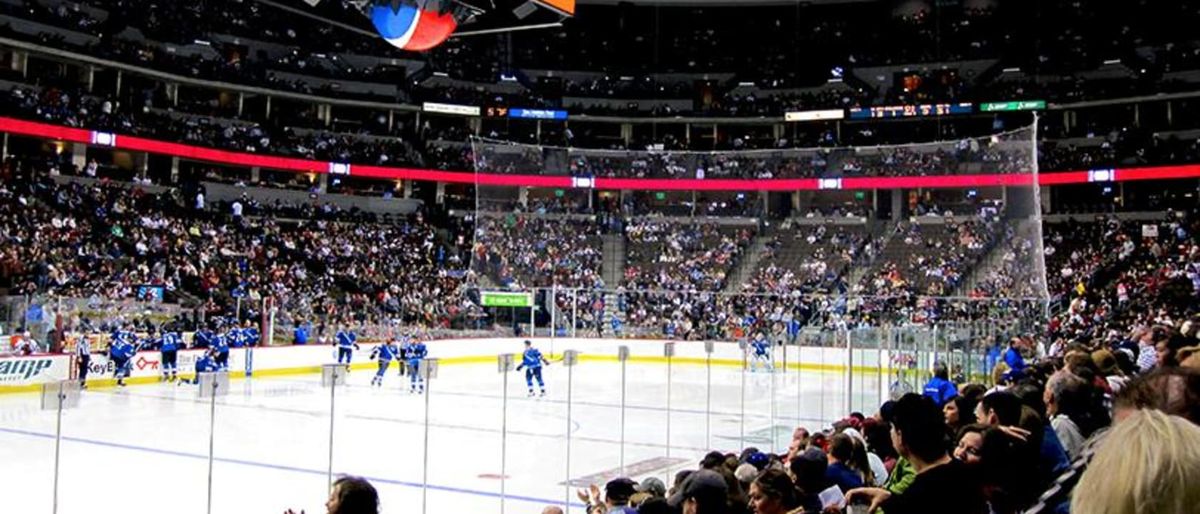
[910, 111]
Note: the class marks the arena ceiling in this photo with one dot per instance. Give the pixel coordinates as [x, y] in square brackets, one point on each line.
[681, 3]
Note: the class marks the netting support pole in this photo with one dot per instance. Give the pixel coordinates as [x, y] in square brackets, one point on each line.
[212, 430]
[936, 354]
[742, 399]
[426, 376]
[799, 382]
[669, 351]
[505, 363]
[623, 356]
[567, 477]
[268, 331]
[574, 311]
[708, 397]
[880, 337]
[332, 399]
[553, 303]
[849, 373]
[784, 347]
[771, 375]
[58, 434]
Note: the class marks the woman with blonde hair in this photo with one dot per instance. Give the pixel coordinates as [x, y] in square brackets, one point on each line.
[1149, 462]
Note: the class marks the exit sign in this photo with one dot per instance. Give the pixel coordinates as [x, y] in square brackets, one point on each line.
[1028, 105]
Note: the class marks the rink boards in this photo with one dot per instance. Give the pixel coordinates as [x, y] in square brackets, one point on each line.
[24, 374]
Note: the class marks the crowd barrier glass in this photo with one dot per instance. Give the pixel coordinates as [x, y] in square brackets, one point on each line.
[473, 438]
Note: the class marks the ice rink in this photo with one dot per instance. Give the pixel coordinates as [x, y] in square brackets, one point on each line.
[144, 448]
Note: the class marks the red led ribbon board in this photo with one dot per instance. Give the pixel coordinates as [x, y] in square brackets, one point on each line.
[533, 179]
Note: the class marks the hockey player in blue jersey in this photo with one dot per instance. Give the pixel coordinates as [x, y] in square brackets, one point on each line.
[760, 352]
[250, 335]
[532, 361]
[220, 344]
[793, 330]
[121, 350]
[415, 352]
[207, 363]
[169, 346]
[235, 337]
[384, 354]
[202, 338]
[347, 342]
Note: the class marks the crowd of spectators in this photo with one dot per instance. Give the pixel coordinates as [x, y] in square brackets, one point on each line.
[674, 272]
[810, 259]
[521, 251]
[642, 65]
[75, 109]
[443, 146]
[1109, 385]
[314, 262]
[930, 259]
[1107, 426]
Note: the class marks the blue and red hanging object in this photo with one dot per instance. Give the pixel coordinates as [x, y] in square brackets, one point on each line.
[422, 25]
[415, 25]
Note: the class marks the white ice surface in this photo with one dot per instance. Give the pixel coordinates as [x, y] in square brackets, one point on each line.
[144, 449]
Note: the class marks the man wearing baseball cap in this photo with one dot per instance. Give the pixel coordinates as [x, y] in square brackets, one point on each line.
[654, 487]
[617, 493]
[703, 492]
[616, 497]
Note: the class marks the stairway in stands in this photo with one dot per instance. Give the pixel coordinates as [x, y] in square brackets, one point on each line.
[881, 234]
[613, 264]
[613, 271]
[748, 266]
[1025, 230]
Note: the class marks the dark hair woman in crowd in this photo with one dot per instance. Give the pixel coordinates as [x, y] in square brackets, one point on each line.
[352, 495]
[970, 444]
[773, 493]
[808, 473]
[959, 412]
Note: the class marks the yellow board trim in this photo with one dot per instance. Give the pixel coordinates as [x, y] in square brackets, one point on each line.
[106, 383]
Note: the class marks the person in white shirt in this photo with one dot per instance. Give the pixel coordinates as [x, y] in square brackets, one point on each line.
[1147, 355]
[25, 345]
[1062, 394]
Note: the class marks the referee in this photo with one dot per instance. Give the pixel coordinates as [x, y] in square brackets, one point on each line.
[83, 354]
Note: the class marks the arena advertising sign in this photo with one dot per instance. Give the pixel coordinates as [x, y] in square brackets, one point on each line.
[461, 110]
[1028, 105]
[36, 369]
[149, 364]
[537, 114]
[506, 299]
[827, 114]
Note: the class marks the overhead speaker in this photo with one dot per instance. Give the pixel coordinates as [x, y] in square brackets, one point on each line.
[524, 10]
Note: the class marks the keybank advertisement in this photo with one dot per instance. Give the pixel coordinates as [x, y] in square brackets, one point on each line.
[149, 364]
[17, 371]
